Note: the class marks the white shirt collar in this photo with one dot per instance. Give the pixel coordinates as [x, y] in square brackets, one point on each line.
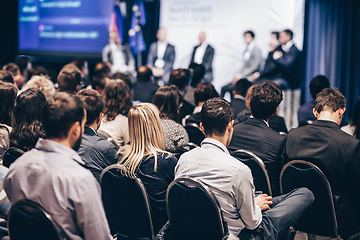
[287, 46]
[215, 143]
[267, 124]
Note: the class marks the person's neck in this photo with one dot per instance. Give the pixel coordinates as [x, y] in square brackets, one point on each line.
[329, 116]
[223, 139]
[93, 125]
[63, 141]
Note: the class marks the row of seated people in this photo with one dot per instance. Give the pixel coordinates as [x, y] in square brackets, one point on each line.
[271, 96]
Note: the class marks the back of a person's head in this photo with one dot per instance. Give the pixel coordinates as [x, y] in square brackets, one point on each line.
[37, 71]
[329, 99]
[180, 78]
[126, 77]
[8, 93]
[203, 92]
[12, 67]
[117, 98]
[198, 72]
[144, 74]
[289, 33]
[69, 78]
[79, 63]
[241, 86]
[216, 113]
[264, 99]
[6, 76]
[99, 81]
[43, 83]
[317, 84]
[23, 62]
[27, 127]
[167, 99]
[146, 136]
[93, 102]
[102, 67]
[60, 112]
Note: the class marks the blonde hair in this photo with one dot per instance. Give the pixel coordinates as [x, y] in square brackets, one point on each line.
[147, 137]
[43, 83]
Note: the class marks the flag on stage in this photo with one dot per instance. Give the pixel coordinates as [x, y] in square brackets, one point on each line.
[119, 21]
[138, 20]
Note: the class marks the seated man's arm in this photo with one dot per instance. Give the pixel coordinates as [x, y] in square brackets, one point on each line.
[89, 210]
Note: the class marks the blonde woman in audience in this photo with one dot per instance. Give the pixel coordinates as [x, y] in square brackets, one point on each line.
[118, 101]
[43, 83]
[147, 159]
[167, 99]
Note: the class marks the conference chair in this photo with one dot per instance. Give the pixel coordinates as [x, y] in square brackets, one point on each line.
[193, 211]
[321, 218]
[126, 204]
[29, 220]
[11, 155]
[194, 132]
[258, 170]
[185, 148]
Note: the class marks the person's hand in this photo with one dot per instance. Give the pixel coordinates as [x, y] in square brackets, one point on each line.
[158, 72]
[263, 201]
[255, 76]
[277, 55]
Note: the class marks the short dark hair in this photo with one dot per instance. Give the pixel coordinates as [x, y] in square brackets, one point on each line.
[102, 67]
[60, 112]
[27, 126]
[22, 62]
[94, 104]
[203, 92]
[276, 34]
[264, 99]
[69, 78]
[329, 99]
[251, 33]
[180, 78]
[144, 74]
[216, 113]
[241, 86]
[317, 84]
[6, 76]
[167, 99]
[12, 67]
[198, 72]
[38, 70]
[99, 80]
[117, 98]
[8, 92]
[79, 63]
[289, 33]
[126, 77]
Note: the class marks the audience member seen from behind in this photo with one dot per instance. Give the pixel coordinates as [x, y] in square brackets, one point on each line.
[8, 94]
[147, 159]
[24, 64]
[38, 70]
[99, 81]
[69, 79]
[203, 92]
[167, 99]
[197, 75]
[239, 92]
[255, 134]
[276, 122]
[335, 152]
[27, 126]
[126, 77]
[118, 101]
[96, 152]
[6, 76]
[43, 83]
[144, 87]
[354, 129]
[18, 78]
[231, 181]
[59, 182]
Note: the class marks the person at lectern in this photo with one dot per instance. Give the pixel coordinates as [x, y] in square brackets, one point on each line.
[161, 57]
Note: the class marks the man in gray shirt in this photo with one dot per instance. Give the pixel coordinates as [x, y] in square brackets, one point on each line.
[52, 173]
[232, 183]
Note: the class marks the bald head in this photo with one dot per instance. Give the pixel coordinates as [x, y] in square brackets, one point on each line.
[202, 37]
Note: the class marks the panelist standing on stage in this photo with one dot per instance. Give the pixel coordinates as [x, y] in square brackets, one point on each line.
[204, 54]
[161, 57]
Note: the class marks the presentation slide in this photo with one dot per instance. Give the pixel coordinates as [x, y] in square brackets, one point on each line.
[224, 23]
[64, 25]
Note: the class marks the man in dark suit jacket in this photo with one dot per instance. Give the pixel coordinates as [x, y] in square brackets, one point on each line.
[161, 57]
[239, 100]
[256, 136]
[335, 152]
[96, 152]
[204, 54]
[144, 87]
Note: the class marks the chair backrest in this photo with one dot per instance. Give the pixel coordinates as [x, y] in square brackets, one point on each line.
[106, 136]
[185, 148]
[320, 219]
[11, 155]
[193, 211]
[29, 220]
[194, 132]
[126, 203]
[258, 170]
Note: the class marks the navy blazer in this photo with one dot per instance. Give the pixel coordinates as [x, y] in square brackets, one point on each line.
[169, 58]
[96, 152]
[206, 61]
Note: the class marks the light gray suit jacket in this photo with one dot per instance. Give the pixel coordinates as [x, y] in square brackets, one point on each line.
[252, 64]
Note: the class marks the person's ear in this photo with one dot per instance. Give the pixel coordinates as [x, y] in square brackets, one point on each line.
[202, 128]
[75, 130]
[342, 111]
[316, 114]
